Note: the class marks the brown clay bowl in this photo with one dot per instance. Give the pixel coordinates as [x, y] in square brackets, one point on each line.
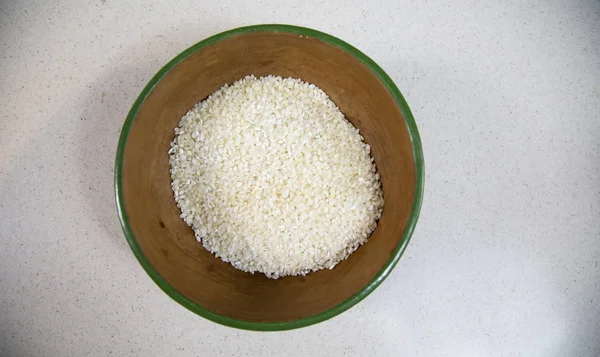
[165, 246]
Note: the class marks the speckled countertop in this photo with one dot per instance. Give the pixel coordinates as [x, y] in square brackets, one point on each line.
[505, 260]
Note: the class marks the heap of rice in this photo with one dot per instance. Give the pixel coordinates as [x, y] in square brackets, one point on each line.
[273, 178]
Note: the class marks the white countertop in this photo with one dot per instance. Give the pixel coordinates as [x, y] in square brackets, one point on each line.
[505, 260]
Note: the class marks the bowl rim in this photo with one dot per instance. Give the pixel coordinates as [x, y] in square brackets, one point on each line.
[344, 305]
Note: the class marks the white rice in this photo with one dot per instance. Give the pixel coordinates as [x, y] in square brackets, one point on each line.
[273, 178]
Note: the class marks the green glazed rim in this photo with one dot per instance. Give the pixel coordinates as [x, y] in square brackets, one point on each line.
[343, 306]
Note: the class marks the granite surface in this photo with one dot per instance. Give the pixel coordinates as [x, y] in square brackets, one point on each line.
[505, 257]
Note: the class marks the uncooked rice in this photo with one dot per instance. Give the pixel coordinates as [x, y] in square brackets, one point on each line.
[273, 178]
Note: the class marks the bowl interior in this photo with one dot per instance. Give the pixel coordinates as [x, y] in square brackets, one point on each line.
[169, 244]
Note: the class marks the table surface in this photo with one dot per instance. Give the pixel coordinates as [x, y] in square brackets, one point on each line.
[505, 257]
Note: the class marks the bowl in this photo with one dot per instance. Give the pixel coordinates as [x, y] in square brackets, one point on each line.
[166, 247]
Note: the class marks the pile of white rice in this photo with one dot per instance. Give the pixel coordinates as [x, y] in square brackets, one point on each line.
[273, 179]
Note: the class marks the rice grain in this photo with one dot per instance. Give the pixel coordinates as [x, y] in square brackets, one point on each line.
[273, 178]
